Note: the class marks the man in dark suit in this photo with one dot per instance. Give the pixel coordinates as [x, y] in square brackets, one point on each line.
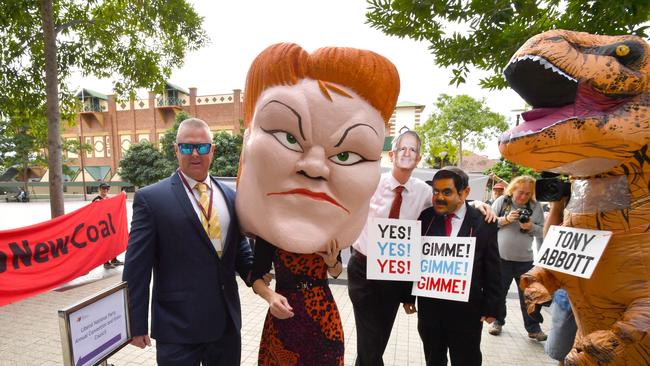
[452, 325]
[185, 230]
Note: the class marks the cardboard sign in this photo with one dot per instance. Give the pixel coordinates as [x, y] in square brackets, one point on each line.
[393, 249]
[445, 268]
[571, 250]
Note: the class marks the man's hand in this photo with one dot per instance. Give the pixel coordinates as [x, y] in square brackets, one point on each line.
[409, 308]
[486, 210]
[141, 341]
[488, 319]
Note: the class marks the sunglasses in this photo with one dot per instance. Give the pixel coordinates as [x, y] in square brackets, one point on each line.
[187, 149]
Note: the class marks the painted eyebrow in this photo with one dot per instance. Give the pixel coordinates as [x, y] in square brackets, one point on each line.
[347, 130]
[292, 111]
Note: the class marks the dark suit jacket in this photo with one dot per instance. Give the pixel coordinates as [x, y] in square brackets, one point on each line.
[486, 280]
[194, 295]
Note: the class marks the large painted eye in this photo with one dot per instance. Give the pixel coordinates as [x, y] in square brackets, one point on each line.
[287, 140]
[346, 158]
[622, 50]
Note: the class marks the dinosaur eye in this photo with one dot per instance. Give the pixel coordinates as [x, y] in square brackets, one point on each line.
[622, 50]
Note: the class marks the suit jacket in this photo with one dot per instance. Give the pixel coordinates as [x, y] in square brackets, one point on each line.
[485, 286]
[194, 296]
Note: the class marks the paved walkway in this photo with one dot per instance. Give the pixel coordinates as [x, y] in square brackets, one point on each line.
[29, 330]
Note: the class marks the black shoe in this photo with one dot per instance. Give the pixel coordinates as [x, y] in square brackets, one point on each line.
[116, 262]
[108, 265]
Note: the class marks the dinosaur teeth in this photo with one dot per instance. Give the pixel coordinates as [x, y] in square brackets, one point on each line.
[547, 65]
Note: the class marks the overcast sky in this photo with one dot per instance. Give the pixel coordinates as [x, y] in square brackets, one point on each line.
[240, 29]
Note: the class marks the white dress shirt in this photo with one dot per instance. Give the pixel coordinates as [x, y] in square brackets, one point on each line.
[416, 197]
[218, 203]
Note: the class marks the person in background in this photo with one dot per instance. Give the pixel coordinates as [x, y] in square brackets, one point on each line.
[497, 191]
[520, 220]
[103, 194]
[563, 322]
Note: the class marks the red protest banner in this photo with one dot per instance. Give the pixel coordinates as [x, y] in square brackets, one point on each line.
[40, 257]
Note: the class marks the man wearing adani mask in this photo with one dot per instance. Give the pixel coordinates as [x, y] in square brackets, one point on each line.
[446, 325]
[185, 231]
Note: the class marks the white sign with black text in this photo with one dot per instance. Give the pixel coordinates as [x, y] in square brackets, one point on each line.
[571, 250]
[393, 249]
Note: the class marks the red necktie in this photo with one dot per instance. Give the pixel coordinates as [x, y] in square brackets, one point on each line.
[448, 223]
[397, 203]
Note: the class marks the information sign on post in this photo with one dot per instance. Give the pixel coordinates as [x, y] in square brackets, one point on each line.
[96, 327]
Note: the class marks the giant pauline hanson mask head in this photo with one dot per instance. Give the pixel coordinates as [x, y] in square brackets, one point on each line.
[314, 136]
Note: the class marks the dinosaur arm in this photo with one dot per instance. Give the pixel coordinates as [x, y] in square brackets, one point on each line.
[538, 284]
[635, 323]
[627, 338]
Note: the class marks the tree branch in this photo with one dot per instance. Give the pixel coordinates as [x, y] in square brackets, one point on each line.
[70, 24]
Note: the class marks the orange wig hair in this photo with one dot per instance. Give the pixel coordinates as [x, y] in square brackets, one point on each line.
[370, 75]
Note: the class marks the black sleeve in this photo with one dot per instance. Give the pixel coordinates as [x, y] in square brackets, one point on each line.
[138, 263]
[244, 259]
[492, 272]
[262, 259]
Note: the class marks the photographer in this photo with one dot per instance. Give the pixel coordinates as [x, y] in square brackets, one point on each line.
[520, 220]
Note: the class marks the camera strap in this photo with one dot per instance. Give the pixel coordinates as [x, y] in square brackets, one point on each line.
[507, 206]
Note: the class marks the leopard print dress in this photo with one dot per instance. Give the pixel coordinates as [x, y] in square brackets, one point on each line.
[314, 335]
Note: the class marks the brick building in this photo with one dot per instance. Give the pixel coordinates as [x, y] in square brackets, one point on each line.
[110, 126]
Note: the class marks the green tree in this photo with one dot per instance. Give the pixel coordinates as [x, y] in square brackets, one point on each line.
[137, 43]
[227, 149]
[458, 122]
[486, 33]
[143, 165]
[507, 170]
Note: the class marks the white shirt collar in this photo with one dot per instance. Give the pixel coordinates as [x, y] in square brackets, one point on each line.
[192, 182]
[461, 211]
[394, 183]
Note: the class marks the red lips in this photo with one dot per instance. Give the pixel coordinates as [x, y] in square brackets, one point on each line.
[319, 196]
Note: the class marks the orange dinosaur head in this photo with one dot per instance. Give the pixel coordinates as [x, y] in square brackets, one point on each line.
[590, 99]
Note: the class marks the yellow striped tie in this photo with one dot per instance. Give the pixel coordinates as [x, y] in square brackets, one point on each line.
[212, 227]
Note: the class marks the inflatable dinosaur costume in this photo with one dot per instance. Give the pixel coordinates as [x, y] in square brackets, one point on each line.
[591, 120]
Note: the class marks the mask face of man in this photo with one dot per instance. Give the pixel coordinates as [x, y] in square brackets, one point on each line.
[406, 156]
[310, 166]
[446, 198]
[522, 193]
[194, 165]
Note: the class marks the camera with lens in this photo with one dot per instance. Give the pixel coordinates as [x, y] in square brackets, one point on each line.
[524, 215]
[550, 188]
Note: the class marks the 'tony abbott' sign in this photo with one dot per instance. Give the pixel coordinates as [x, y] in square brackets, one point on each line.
[571, 250]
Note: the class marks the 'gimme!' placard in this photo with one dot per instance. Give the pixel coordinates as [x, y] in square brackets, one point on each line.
[445, 268]
[393, 249]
